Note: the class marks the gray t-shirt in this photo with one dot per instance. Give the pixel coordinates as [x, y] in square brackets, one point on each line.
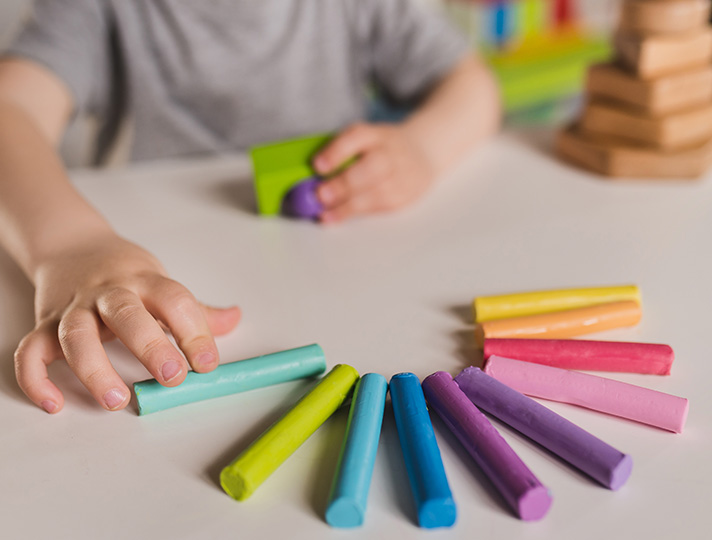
[219, 75]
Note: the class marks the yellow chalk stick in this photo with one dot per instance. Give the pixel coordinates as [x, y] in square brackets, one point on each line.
[252, 467]
[487, 308]
[562, 324]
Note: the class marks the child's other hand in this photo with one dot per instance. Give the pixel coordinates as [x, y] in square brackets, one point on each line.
[108, 288]
[391, 171]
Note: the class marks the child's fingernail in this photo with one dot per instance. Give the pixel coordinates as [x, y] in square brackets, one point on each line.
[320, 164]
[170, 370]
[327, 218]
[205, 359]
[49, 406]
[326, 195]
[114, 398]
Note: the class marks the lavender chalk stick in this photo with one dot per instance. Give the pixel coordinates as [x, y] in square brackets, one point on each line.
[522, 491]
[621, 356]
[591, 455]
[598, 393]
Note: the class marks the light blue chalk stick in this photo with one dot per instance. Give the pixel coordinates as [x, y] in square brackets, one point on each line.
[232, 378]
[433, 498]
[349, 491]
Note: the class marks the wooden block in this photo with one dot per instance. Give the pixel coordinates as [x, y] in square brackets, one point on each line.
[674, 130]
[659, 54]
[660, 95]
[615, 158]
[664, 16]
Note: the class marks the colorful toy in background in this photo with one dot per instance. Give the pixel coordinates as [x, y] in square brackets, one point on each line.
[284, 179]
[514, 369]
[649, 113]
[538, 49]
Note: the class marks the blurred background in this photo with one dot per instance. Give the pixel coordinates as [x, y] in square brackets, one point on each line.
[539, 50]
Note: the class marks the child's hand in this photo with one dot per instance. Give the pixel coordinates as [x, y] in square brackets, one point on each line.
[391, 171]
[110, 288]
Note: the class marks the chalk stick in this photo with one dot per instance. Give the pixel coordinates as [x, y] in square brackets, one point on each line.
[660, 16]
[660, 95]
[301, 200]
[562, 324]
[620, 356]
[504, 306]
[522, 491]
[571, 443]
[426, 473]
[232, 378]
[592, 392]
[349, 492]
[618, 158]
[252, 467]
[657, 54]
[672, 130]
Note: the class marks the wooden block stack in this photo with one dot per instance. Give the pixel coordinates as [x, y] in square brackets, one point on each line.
[649, 112]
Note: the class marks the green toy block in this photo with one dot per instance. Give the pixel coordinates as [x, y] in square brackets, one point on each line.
[279, 166]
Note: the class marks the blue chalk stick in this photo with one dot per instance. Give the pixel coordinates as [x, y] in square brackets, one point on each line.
[433, 498]
[232, 378]
[349, 491]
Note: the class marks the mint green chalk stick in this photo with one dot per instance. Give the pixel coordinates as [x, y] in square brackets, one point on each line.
[232, 378]
[252, 467]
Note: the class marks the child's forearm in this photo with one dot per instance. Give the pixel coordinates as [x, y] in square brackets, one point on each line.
[461, 111]
[90, 284]
[41, 213]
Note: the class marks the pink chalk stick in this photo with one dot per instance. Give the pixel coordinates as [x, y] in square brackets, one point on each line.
[598, 393]
[651, 358]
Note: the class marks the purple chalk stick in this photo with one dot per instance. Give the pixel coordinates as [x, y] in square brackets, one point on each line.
[581, 449]
[524, 493]
[301, 201]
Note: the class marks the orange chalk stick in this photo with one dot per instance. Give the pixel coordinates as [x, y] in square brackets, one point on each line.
[661, 95]
[562, 324]
[660, 16]
[657, 54]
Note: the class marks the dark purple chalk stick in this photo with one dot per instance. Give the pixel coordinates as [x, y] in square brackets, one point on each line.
[581, 449]
[301, 201]
[529, 499]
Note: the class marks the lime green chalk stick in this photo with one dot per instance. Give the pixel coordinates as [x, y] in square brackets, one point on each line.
[269, 450]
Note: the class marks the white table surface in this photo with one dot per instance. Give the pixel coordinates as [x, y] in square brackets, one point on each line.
[385, 294]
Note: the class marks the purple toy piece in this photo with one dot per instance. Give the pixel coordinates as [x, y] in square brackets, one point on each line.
[565, 439]
[301, 200]
[524, 493]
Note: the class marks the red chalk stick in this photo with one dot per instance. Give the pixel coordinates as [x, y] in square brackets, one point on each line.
[650, 358]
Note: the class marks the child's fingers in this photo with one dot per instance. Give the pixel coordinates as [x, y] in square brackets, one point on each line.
[365, 203]
[173, 304]
[221, 320]
[125, 315]
[36, 351]
[358, 178]
[348, 144]
[82, 348]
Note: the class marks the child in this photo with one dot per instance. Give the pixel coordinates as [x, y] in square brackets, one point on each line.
[196, 78]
